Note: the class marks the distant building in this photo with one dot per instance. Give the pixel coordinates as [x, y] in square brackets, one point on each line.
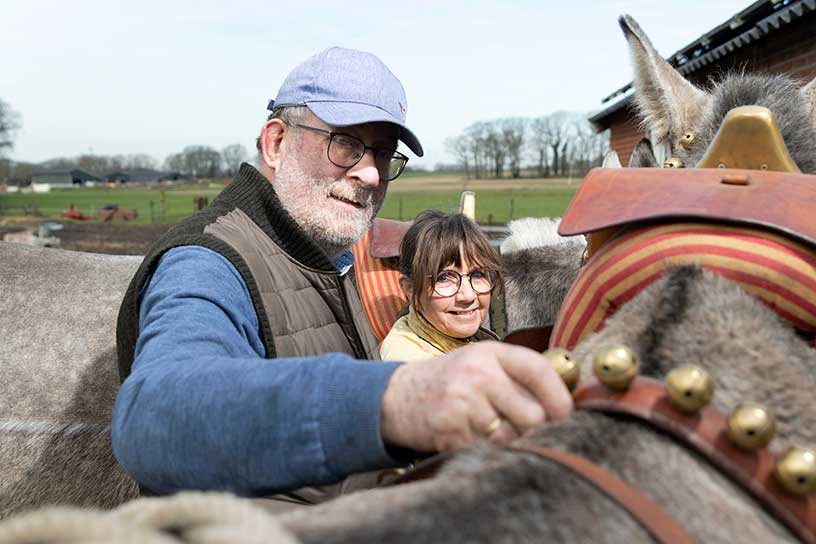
[143, 175]
[136, 174]
[776, 37]
[43, 181]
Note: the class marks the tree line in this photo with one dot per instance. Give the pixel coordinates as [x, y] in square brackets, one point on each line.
[195, 161]
[558, 144]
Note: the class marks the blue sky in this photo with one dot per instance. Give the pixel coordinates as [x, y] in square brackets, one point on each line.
[116, 77]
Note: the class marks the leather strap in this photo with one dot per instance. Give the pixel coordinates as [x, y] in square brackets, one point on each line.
[651, 517]
[535, 338]
[427, 468]
[705, 432]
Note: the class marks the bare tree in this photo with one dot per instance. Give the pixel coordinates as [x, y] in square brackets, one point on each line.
[476, 137]
[540, 145]
[557, 128]
[494, 149]
[512, 132]
[459, 148]
[175, 163]
[560, 143]
[234, 155]
[201, 161]
[139, 160]
[9, 123]
[96, 164]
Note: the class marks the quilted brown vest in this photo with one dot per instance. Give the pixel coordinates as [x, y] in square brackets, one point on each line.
[304, 307]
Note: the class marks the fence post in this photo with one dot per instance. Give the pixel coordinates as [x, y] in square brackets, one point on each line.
[162, 206]
[512, 208]
[152, 212]
[400, 208]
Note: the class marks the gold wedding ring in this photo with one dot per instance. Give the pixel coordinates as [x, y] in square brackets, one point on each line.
[493, 427]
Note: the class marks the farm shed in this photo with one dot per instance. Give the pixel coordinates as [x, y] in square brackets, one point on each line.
[777, 37]
[45, 180]
[143, 175]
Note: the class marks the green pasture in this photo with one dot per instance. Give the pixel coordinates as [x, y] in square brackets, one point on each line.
[153, 205]
[492, 206]
[162, 206]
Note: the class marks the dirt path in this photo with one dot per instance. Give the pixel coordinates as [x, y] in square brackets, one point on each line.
[111, 238]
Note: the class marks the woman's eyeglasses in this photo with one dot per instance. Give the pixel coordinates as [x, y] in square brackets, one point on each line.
[448, 282]
[346, 150]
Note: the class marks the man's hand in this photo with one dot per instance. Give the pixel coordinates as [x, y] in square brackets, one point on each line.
[487, 390]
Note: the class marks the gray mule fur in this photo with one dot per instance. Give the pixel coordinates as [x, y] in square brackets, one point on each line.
[539, 267]
[58, 372]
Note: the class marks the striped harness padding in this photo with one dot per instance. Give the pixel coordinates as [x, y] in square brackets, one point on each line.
[777, 270]
[378, 286]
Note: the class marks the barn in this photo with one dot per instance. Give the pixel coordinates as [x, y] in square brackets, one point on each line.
[777, 37]
[60, 178]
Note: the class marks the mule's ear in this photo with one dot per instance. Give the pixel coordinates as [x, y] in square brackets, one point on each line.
[668, 104]
[809, 92]
[643, 156]
[611, 160]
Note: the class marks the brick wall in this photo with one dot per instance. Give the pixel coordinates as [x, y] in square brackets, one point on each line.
[625, 134]
[790, 50]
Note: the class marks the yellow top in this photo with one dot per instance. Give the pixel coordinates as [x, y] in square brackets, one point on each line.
[413, 338]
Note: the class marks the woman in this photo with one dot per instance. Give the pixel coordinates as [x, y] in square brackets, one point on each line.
[447, 272]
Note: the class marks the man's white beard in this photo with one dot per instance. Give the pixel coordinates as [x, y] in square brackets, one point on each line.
[308, 201]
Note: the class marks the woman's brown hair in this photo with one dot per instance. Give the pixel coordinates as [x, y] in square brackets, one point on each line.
[438, 239]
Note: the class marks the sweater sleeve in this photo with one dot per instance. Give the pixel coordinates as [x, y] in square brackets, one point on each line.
[203, 409]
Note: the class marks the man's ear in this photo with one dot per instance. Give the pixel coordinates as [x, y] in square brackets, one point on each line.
[273, 142]
[407, 286]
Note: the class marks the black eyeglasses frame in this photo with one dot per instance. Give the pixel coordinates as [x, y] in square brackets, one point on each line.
[375, 150]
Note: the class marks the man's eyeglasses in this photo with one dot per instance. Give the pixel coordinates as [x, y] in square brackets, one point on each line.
[346, 150]
[447, 282]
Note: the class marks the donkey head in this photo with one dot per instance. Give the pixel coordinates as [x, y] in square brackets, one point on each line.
[670, 106]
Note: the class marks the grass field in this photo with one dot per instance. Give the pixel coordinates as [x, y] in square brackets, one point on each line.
[497, 201]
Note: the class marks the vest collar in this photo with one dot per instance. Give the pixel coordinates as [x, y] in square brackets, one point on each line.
[253, 193]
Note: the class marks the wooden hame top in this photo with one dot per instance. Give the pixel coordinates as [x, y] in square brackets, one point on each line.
[610, 197]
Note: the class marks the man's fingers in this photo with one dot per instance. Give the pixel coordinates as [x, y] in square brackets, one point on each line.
[518, 405]
[535, 374]
[504, 433]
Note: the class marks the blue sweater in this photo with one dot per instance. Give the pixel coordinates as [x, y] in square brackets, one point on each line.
[203, 409]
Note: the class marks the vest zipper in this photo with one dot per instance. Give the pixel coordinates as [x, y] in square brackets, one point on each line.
[358, 342]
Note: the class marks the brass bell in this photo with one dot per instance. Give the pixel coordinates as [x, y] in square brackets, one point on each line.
[751, 426]
[796, 471]
[616, 367]
[673, 162]
[687, 139]
[563, 363]
[689, 388]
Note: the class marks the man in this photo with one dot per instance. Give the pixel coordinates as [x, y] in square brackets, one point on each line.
[243, 345]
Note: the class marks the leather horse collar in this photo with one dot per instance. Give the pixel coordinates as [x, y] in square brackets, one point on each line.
[704, 432]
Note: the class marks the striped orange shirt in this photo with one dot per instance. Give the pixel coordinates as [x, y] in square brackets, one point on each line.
[778, 271]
